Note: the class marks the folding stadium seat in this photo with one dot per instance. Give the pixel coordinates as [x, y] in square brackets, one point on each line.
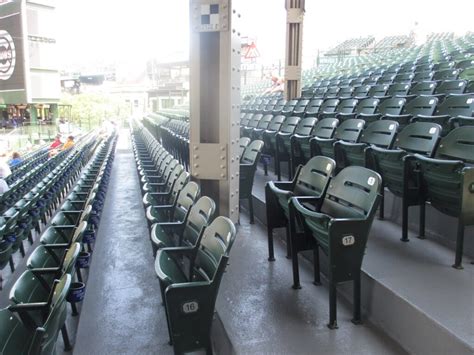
[245, 121]
[403, 78]
[378, 91]
[253, 123]
[63, 236]
[340, 226]
[372, 80]
[378, 133]
[300, 108]
[348, 130]
[448, 87]
[448, 178]
[467, 74]
[263, 125]
[189, 294]
[368, 106]
[243, 143]
[287, 110]
[30, 337]
[356, 82]
[313, 107]
[300, 144]
[393, 106]
[248, 166]
[320, 92]
[408, 67]
[284, 142]
[420, 106]
[361, 92]
[423, 76]
[278, 108]
[397, 168]
[450, 110]
[270, 138]
[327, 108]
[345, 92]
[386, 79]
[186, 221]
[446, 74]
[332, 92]
[470, 87]
[426, 88]
[398, 89]
[465, 64]
[423, 67]
[312, 179]
[269, 135]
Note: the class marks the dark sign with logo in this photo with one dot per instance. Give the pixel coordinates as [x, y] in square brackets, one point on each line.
[12, 66]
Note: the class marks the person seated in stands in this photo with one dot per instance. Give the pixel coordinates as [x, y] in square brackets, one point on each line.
[275, 80]
[16, 159]
[69, 143]
[56, 143]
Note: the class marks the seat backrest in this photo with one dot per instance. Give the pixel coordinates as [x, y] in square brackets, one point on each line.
[367, 106]
[380, 133]
[314, 176]
[264, 122]
[174, 175]
[403, 78]
[186, 198]
[252, 152]
[314, 106]
[255, 120]
[216, 242]
[78, 232]
[329, 106]
[55, 320]
[378, 90]
[15, 338]
[451, 87]
[400, 89]
[305, 126]
[346, 106]
[458, 145]
[276, 123]
[361, 91]
[290, 124]
[325, 128]
[199, 216]
[352, 193]
[422, 105]
[243, 143]
[423, 88]
[423, 67]
[423, 76]
[466, 63]
[332, 92]
[446, 74]
[349, 130]
[419, 137]
[345, 92]
[457, 105]
[178, 186]
[393, 106]
[467, 74]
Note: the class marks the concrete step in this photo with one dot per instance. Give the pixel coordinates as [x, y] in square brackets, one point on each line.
[410, 291]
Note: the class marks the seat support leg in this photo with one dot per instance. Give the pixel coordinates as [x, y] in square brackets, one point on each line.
[422, 221]
[357, 296]
[67, 342]
[332, 306]
[404, 222]
[271, 251]
[317, 276]
[382, 204]
[459, 246]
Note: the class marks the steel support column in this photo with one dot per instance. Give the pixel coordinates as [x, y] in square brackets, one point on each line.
[294, 47]
[215, 102]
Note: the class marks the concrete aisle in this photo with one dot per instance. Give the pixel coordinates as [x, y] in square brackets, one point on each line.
[122, 312]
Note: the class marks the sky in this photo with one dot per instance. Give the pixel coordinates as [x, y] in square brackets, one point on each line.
[129, 33]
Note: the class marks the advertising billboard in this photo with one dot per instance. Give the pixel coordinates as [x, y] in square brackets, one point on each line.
[12, 54]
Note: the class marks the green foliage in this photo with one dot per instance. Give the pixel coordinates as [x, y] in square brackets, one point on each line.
[90, 110]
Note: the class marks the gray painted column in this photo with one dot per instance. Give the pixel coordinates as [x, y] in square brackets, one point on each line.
[294, 47]
[215, 102]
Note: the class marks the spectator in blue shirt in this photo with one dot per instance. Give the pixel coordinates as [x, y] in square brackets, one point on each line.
[16, 159]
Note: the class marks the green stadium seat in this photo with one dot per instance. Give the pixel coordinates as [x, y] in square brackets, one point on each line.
[185, 218]
[391, 106]
[166, 197]
[447, 181]
[243, 143]
[310, 179]
[422, 105]
[248, 166]
[467, 73]
[189, 295]
[300, 144]
[348, 130]
[446, 74]
[396, 166]
[262, 126]
[313, 107]
[398, 89]
[340, 226]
